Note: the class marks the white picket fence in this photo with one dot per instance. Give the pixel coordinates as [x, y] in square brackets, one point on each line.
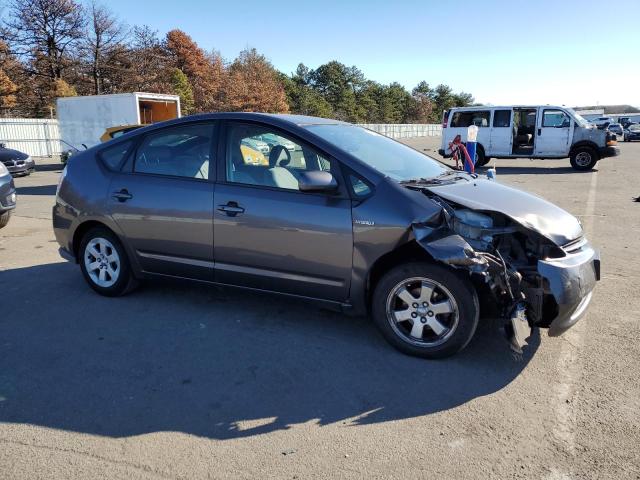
[405, 130]
[35, 136]
[41, 137]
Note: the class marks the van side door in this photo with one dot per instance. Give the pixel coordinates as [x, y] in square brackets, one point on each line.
[501, 132]
[554, 133]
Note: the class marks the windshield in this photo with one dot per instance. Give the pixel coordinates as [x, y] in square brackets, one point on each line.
[580, 120]
[385, 155]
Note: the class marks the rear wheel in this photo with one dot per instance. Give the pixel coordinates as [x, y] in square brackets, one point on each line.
[104, 263]
[425, 310]
[584, 158]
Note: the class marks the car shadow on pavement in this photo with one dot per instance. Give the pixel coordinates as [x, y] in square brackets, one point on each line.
[49, 167]
[214, 362]
[37, 190]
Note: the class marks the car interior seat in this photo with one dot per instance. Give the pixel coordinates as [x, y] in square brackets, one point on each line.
[277, 175]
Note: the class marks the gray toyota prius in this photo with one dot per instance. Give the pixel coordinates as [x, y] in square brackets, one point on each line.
[329, 212]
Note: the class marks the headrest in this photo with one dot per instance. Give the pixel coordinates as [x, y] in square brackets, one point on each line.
[274, 157]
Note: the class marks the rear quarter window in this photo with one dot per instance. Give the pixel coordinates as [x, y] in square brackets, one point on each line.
[479, 118]
[114, 156]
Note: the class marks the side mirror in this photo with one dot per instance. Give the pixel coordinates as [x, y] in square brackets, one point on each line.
[317, 181]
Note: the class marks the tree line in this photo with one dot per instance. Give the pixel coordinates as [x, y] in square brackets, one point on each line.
[59, 48]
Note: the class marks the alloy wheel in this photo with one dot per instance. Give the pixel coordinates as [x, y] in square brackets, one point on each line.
[102, 262]
[422, 311]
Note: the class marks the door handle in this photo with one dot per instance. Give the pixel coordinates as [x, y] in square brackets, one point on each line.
[122, 195]
[539, 131]
[231, 209]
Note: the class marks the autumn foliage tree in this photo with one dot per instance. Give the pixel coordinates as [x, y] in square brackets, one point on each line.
[54, 48]
[253, 85]
[205, 73]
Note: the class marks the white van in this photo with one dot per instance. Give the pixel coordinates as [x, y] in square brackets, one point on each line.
[516, 131]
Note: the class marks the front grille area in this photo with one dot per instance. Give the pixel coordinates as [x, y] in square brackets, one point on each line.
[13, 163]
[574, 246]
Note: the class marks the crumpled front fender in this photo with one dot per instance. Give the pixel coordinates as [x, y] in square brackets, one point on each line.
[448, 247]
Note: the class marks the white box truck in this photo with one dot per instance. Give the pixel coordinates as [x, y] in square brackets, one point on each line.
[83, 120]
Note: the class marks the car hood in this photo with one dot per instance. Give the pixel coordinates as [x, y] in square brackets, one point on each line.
[528, 210]
[10, 154]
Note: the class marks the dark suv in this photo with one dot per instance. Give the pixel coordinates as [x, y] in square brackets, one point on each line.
[348, 218]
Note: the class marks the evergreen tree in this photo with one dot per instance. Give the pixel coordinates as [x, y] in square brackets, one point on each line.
[181, 87]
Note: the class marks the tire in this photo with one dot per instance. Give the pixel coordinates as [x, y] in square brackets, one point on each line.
[456, 315]
[117, 278]
[481, 159]
[4, 218]
[584, 158]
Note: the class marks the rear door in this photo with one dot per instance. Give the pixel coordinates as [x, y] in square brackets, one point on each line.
[462, 119]
[268, 234]
[501, 132]
[554, 132]
[163, 201]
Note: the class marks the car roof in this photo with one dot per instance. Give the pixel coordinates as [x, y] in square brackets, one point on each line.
[275, 118]
[499, 107]
[285, 121]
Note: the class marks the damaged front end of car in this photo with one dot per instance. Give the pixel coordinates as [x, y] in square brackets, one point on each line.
[531, 280]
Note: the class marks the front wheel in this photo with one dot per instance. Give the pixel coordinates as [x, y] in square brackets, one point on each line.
[425, 310]
[481, 159]
[584, 158]
[4, 218]
[104, 263]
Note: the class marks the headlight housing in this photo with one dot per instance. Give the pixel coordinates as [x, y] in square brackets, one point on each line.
[3, 170]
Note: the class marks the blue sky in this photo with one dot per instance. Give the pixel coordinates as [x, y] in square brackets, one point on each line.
[566, 52]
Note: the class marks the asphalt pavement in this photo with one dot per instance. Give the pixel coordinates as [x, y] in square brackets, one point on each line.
[181, 380]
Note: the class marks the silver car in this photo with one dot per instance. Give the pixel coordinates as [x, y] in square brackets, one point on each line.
[348, 219]
[7, 195]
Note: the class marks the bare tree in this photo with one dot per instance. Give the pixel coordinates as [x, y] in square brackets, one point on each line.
[148, 63]
[45, 32]
[104, 39]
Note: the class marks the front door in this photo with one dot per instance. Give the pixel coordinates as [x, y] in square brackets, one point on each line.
[163, 201]
[554, 132]
[268, 234]
[501, 133]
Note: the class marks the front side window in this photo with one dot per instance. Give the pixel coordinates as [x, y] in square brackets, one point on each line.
[260, 155]
[181, 151]
[502, 118]
[555, 118]
[479, 118]
[387, 156]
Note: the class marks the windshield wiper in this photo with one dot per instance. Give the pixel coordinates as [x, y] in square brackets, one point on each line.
[437, 180]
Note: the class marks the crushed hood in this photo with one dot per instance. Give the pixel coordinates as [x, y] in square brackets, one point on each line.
[528, 210]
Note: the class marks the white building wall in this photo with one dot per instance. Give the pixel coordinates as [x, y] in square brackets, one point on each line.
[35, 136]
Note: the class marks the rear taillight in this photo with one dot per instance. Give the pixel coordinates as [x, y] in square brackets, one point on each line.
[445, 118]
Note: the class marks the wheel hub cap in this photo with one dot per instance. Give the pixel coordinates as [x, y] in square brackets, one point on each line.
[422, 311]
[102, 262]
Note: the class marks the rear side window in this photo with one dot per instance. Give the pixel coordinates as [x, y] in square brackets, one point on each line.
[479, 118]
[114, 156]
[180, 151]
[501, 118]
